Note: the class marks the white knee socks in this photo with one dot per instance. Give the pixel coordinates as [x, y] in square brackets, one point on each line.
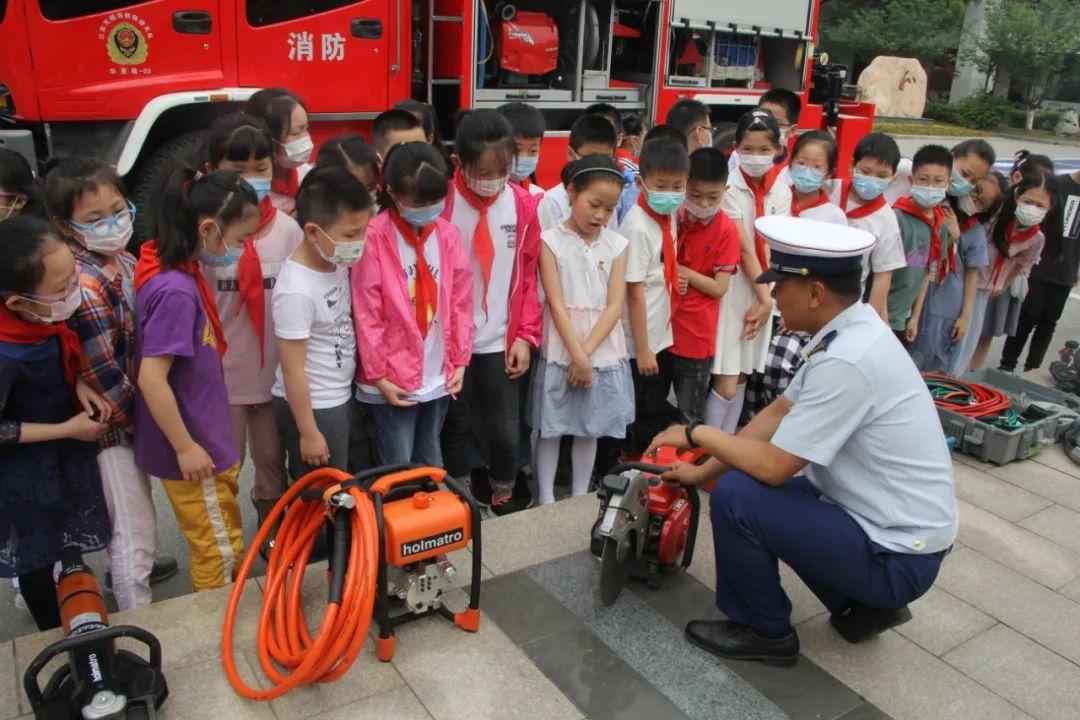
[723, 413]
[582, 459]
[731, 422]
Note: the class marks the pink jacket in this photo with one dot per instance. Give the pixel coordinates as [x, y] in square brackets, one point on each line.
[525, 314]
[387, 338]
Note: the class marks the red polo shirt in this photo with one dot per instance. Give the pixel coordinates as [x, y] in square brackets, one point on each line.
[707, 248]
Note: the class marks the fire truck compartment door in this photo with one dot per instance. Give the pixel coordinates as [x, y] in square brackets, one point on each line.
[335, 54]
[789, 17]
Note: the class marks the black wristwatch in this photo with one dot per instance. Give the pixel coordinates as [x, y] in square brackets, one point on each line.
[690, 434]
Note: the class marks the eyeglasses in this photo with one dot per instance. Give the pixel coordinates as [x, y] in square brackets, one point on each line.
[105, 226]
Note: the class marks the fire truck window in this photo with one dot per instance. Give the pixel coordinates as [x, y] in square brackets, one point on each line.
[269, 12]
[67, 9]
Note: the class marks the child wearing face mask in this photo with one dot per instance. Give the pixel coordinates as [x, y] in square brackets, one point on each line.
[528, 126]
[413, 308]
[287, 117]
[51, 494]
[813, 163]
[500, 231]
[755, 189]
[1016, 243]
[929, 232]
[312, 312]
[86, 201]
[20, 192]
[183, 434]
[582, 384]
[654, 288]
[243, 281]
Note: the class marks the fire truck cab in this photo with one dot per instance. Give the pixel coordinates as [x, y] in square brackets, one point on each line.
[135, 82]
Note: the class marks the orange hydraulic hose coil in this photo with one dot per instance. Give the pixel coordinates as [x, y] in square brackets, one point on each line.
[288, 653]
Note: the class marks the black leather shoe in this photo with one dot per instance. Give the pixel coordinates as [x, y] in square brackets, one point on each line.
[738, 642]
[858, 622]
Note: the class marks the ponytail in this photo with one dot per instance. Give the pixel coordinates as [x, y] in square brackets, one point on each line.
[189, 197]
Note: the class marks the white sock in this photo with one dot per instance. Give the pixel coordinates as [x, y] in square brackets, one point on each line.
[547, 462]
[716, 409]
[582, 459]
[731, 420]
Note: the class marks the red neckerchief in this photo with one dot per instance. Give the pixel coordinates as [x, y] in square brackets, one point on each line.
[760, 192]
[909, 207]
[667, 251]
[249, 278]
[868, 207]
[482, 244]
[966, 222]
[1011, 238]
[13, 329]
[149, 265]
[797, 210]
[289, 186]
[427, 290]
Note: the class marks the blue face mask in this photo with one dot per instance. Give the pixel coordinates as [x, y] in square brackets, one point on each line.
[665, 203]
[231, 257]
[423, 216]
[260, 185]
[959, 187]
[524, 167]
[806, 179]
[927, 197]
[867, 187]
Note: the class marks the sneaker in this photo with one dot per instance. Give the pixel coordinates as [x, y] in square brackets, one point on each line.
[165, 567]
[480, 486]
[511, 505]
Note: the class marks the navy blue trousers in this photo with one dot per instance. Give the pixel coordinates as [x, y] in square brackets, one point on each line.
[755, 525]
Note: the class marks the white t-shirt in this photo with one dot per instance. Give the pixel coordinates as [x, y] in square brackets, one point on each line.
[433, 382]
[645, 264]
[888, 252]
[489, 333]
[554, 208]
[900, 186]
[825, 213]
[316, 306]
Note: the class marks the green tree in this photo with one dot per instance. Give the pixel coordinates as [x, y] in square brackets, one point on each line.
[922, 29]
[1030, 40]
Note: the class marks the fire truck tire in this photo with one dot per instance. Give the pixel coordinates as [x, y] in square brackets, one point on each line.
[182, 151]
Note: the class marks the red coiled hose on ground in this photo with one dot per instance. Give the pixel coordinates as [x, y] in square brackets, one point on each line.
[966, 398]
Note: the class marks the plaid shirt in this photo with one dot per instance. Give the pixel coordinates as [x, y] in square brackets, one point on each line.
[785, 359]
[105, 323]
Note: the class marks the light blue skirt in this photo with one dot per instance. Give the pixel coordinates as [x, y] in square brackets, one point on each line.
[604, 410]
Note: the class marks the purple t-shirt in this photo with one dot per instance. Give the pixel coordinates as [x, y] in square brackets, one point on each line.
[171, 321]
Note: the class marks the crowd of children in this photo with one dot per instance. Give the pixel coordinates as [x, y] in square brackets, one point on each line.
[405, 301]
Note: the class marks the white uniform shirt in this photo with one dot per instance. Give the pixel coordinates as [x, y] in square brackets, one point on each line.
[863, 419]
[828, 212]
[645, 264]
[900, 186]
[888, 252]
[489, 334]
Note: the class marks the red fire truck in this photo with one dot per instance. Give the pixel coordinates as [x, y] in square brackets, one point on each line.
[135, 82]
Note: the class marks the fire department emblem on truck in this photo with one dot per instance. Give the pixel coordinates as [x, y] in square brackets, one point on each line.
[125, 36]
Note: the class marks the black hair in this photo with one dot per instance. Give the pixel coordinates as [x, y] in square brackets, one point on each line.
[1003, 185]
[846, 288]
[24, 240]
[238, 137]
[348, 151]
[416, 171]
[483, 130]
[595, 129]
[526, 120]
[755, 121]
[189, 197]
[393, 121]
[67, 179]
[686, 115]
[1032, 177]
[709, 164]
[977, 147]
[610, 112]
[822, 138]
[633, 123]
[327, 192]
[724, 136]
[275, 106]
[590, 169]
[666, 132]
[1025, 159]
[663, 156]
[786, 99]
[931, 155]
[425, 114]
[17, 177]
[878, 146]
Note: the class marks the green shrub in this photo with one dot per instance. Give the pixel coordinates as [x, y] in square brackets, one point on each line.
[981, 111]
[942, 112]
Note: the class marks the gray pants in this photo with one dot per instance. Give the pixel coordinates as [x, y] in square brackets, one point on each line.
[336, 425]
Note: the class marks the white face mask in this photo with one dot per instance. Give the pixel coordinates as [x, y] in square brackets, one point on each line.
[967, 206]
[756, 165]
[296, 153]
[346, 254]
[700, 213]
[1029, 215]
[486, 187]
[107, 236]
[59, 310]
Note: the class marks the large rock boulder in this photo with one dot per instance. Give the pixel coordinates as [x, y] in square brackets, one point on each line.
[897, 86]
[1068, 124]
